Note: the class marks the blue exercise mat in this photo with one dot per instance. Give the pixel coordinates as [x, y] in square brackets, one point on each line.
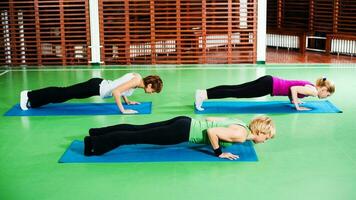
[78, 109]
[158, 153]
[265, 107]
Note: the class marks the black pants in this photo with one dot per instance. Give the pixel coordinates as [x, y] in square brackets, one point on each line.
[167, 132]
[257, 88]
[48, 95]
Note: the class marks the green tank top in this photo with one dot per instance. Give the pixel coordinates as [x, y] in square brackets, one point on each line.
[198, 130]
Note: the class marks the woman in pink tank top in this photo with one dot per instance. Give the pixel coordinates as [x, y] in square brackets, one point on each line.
[269, 85]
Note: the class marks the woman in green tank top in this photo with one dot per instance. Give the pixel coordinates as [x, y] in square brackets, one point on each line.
[216, 132]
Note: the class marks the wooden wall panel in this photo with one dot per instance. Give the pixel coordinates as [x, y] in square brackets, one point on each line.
[295, 14]
[332, 20]
[113, 31]
[323, 16]
[347, 17]
[5, 42]
[51, 32]
[178, 31]
[56, 32]
[272, 16]
[20, 32]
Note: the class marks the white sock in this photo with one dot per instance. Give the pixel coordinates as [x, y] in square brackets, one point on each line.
[200, 96]
[24, 100]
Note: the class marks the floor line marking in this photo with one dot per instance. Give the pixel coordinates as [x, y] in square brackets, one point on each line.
[4, 72]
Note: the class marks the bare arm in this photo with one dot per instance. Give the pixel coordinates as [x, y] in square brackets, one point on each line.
[120, 89]
[225, 134]
[290, 98]
[128, 102]
[304, 90]
[125, 99]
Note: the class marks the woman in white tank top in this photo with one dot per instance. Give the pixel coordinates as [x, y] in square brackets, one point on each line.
[121, 87]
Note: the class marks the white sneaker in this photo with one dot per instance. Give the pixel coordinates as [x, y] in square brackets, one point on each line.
[199, 100]
[24, 100]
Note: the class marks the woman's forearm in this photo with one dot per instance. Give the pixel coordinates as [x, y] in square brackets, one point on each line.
[295, 98]
[117, 98]
[213, 138]
[125, 99]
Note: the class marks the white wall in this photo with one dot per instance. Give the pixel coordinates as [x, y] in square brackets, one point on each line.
[94, 31]
[261, 30]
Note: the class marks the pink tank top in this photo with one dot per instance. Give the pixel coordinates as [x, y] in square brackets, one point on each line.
[281, 87]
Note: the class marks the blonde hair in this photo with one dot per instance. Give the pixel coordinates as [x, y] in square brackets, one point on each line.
[262, 124]
[322, 82]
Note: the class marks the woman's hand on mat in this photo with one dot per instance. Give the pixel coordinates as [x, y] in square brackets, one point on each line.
[298, 102]
[229, 156]
[133, 103]
[128, 111]
[302, 108]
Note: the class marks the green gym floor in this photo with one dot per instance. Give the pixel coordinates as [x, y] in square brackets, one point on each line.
[312, 157]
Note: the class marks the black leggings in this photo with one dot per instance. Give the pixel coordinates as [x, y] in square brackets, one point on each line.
[257, 88]
[167, 132]
[48, 95]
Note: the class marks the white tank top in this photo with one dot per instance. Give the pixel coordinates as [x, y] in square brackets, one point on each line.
[107, 86]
